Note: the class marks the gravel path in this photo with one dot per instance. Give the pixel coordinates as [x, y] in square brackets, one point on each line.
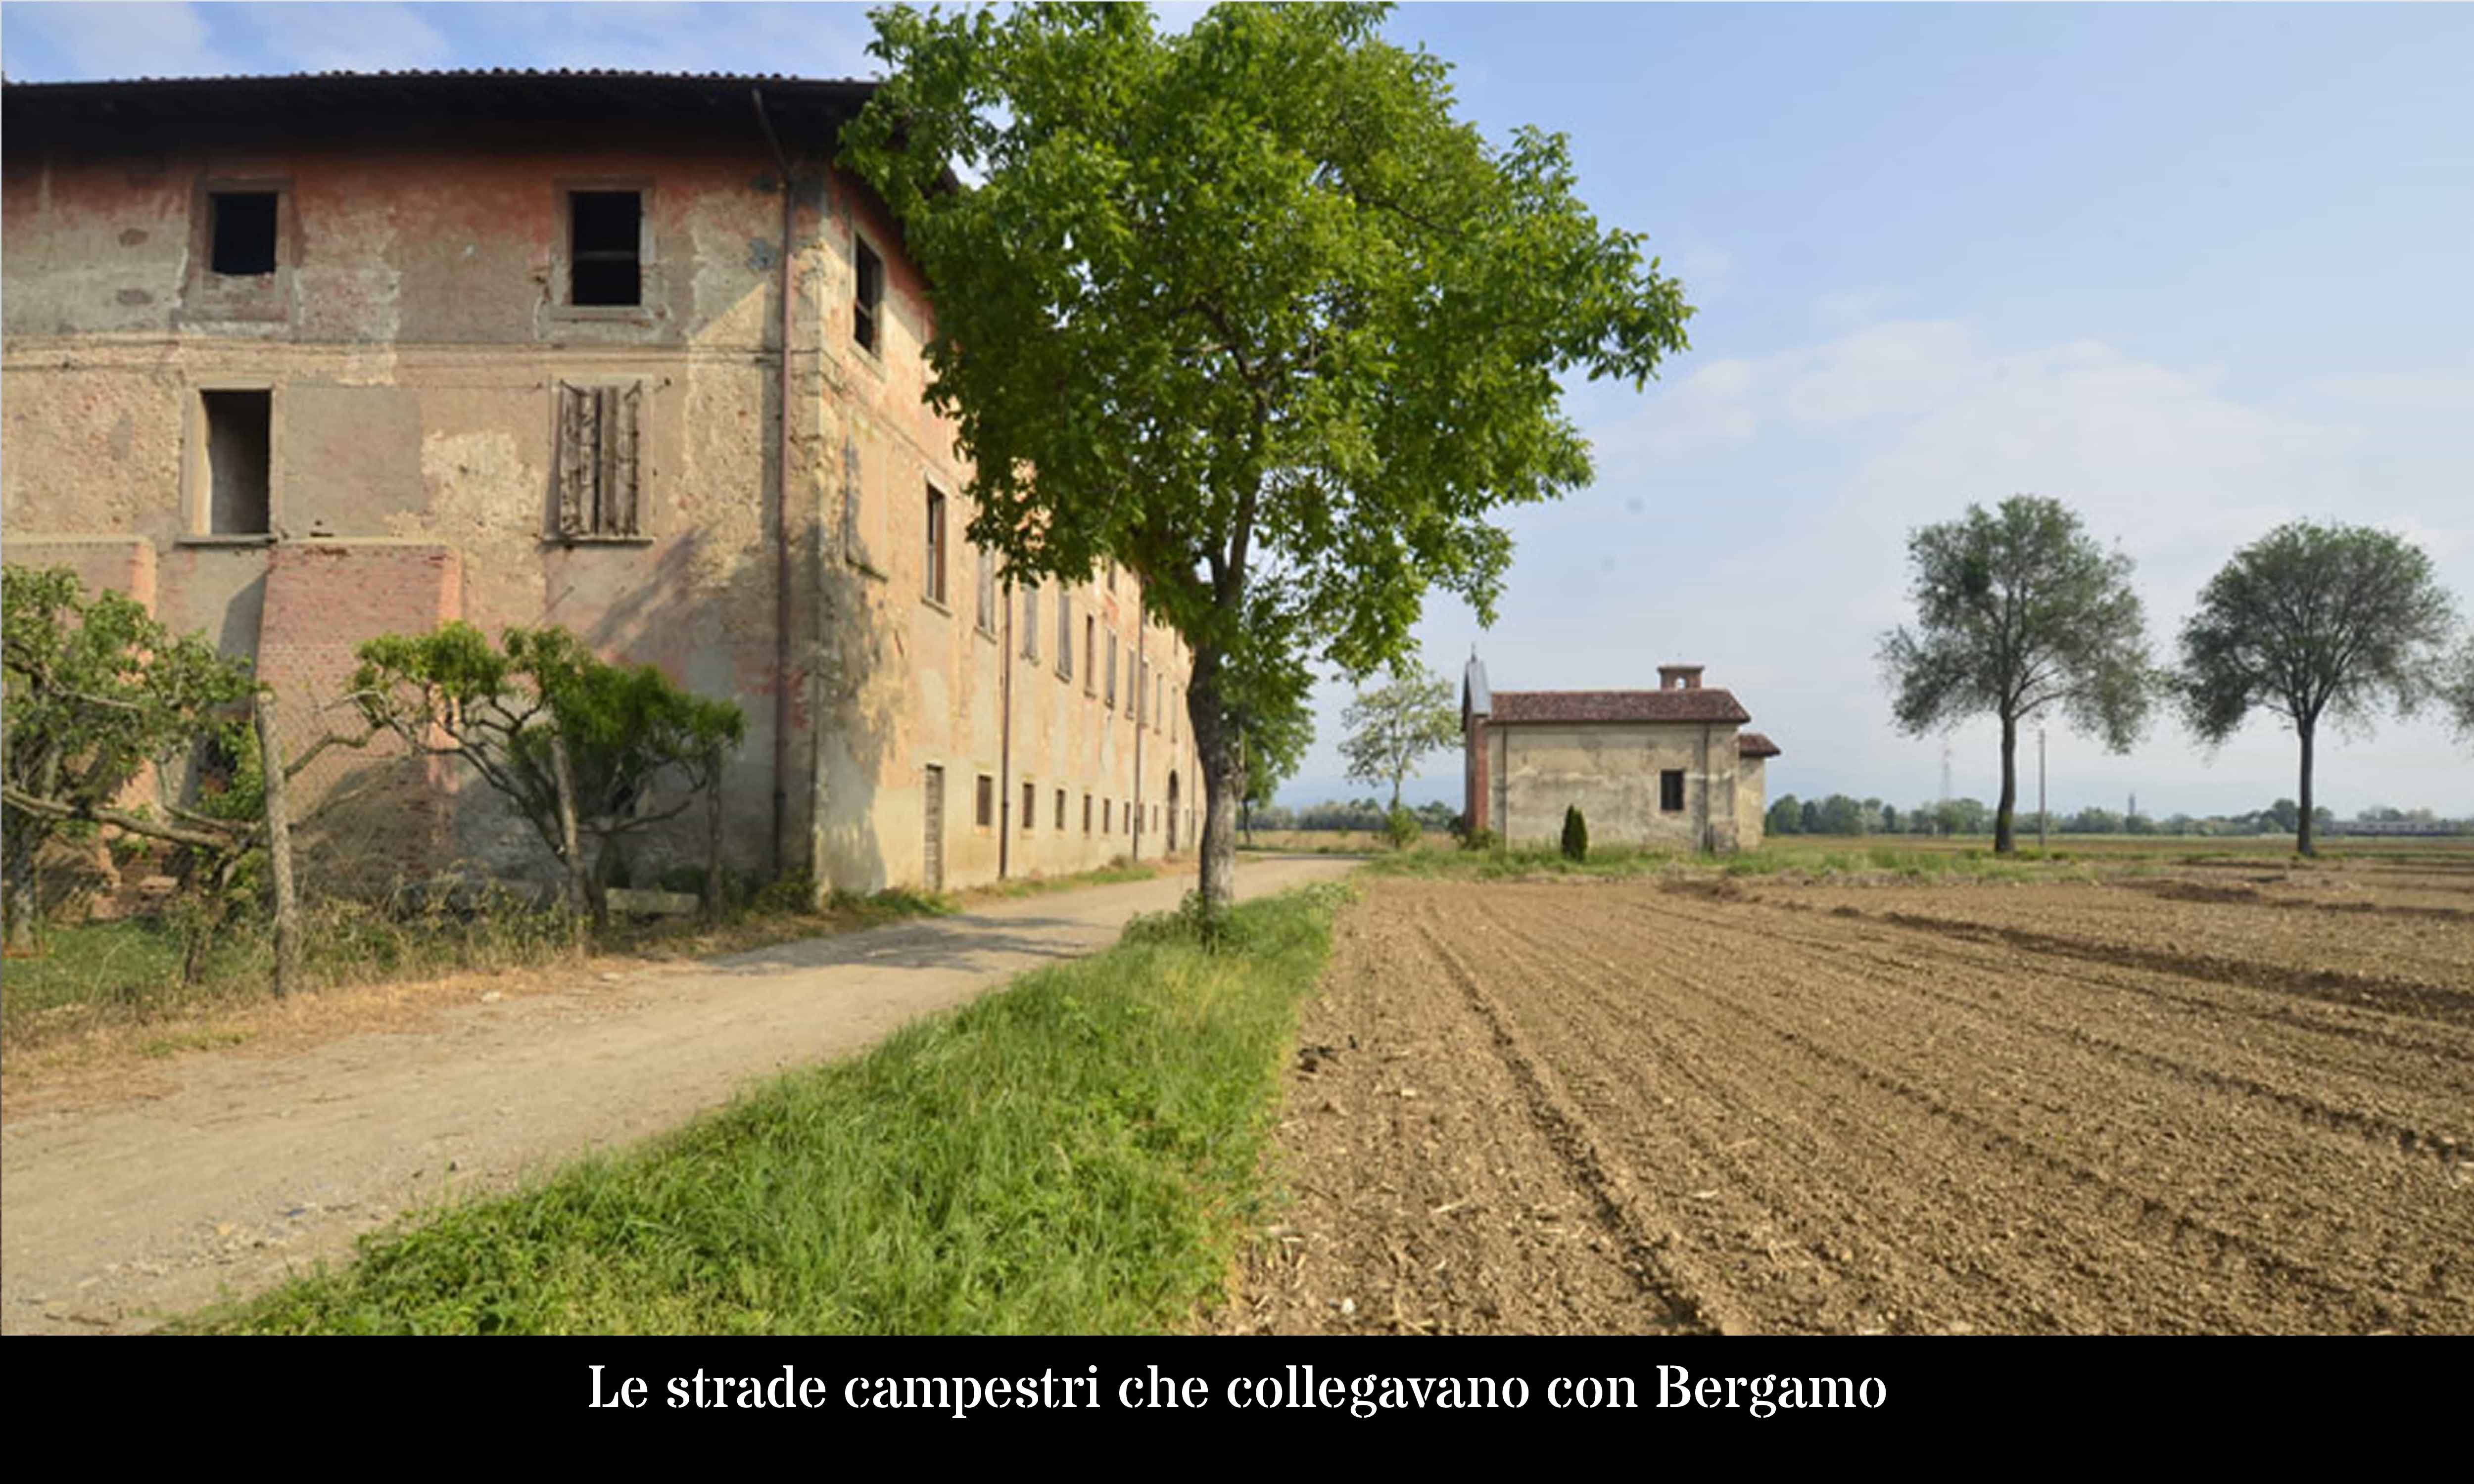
[253, 1165]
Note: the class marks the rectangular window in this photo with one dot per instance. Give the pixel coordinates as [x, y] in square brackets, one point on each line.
[987, 591]
[867, 299]
[1090, 650]
[1670, 790]
[988, 807]
[1086, 814]
[1060, 809]
[1108, 816]
[1112, 672]
[597, 464]
[1030, 807]
[1030, 621]
[243, 233]
[1143, 694]
[239, 430]
[605, 247]
[935, 544]
[1064, 635]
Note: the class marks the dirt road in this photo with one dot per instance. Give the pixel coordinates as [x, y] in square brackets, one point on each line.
[255, 1165]
[1696, 1105]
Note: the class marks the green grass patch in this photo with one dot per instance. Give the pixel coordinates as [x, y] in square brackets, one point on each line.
[1080, 1152]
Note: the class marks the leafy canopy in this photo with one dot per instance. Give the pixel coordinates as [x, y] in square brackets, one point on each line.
[1246, 302]
[97, 692]
[2018, 609]
[2314, 621]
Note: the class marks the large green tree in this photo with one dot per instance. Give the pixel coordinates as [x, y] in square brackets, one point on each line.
[2457, 688]
[2313, 622]
[1393, 726]
[1251, 311]
[2019, 610]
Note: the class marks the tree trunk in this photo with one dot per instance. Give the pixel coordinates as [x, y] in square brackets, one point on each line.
[2302, 841]
[579, 907]
[2004, 839]
[22, 895]
[1224, 781]
[279, 851]
[713, 849]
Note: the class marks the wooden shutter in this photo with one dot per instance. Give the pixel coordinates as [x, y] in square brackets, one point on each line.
[599, 469]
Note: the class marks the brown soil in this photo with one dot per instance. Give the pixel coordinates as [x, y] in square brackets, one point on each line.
[2075, 1108]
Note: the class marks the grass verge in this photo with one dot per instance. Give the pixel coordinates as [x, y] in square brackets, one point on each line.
[1080, 1152]
[1847, 858]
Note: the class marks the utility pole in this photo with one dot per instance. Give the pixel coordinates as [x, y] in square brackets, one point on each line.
[2040, 790]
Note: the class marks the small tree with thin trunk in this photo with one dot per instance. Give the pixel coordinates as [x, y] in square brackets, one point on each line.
[2313, 622]
[576, 744]
[1397, 724]
[1250, 310]
[2019, 610]
[2457, 688]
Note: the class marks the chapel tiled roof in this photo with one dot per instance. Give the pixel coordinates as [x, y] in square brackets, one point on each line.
[1751, 744]
[1694, 703]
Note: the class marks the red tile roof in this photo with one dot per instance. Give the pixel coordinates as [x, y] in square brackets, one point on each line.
[1751, 744]
[1512, 708]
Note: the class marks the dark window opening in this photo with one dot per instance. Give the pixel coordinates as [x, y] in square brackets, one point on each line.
[1030, 807]
[1060, 809]
[988, 801]
[244, 233]
[1086, 814]
[238, 441]
[1670, 790]
[869, 301]
[935, 544]
[605, 247]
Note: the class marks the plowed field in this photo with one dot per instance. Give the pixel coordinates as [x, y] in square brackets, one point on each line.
[2190, 1103]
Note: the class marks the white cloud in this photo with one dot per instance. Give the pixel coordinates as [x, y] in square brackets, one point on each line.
[1752, 514]
[121, 41]
[347, 38]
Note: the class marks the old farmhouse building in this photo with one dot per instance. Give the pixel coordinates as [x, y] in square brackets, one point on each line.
[297, 361]
[1666, 767]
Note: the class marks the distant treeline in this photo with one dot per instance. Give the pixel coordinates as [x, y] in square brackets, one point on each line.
[1356, 814]
[1840, 815]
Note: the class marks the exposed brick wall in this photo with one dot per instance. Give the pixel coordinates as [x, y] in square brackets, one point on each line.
[322, 599]
[105, 563]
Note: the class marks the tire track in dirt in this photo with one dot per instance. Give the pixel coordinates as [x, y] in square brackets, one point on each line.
[1785, 1126]
[2269, 1242]
[1426, 1198]
[2430, 1139]
[1648, 1239]
[1784, 1205]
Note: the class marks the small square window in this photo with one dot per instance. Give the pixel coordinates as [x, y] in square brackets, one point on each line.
[243, 242]
[867, 308]
[605, 247]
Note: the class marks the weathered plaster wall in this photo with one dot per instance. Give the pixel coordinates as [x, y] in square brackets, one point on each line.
[1612, 772]
[414, 340]
[1752, 801]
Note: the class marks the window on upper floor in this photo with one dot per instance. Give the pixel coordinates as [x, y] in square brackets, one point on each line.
[867, 296]
[1030, 621]
[935, 551]
[1064, 634]
[242, 235]
[605, 248]
[987, 591]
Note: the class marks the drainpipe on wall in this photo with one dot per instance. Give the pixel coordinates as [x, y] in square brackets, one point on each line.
[782, 517]
[1004, 739]
[1142, 690]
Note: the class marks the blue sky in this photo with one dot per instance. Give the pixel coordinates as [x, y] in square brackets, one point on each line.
[2195, 270]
